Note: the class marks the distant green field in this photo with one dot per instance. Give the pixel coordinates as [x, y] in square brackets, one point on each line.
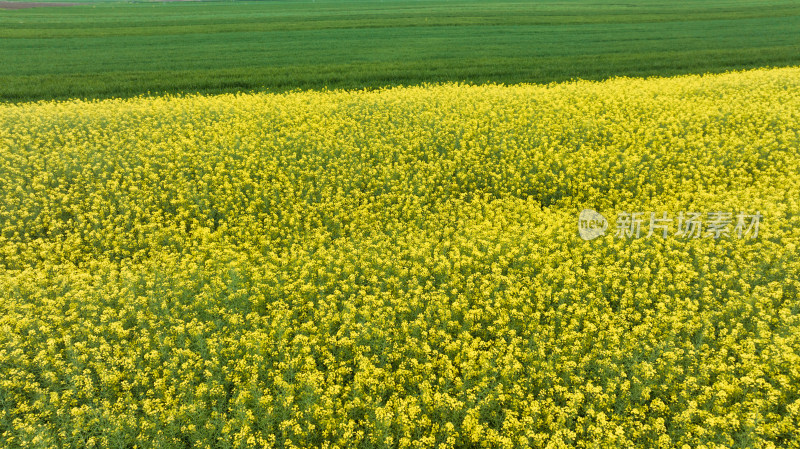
[106, 49]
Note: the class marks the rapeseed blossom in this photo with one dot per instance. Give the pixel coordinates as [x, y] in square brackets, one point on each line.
[401, 268]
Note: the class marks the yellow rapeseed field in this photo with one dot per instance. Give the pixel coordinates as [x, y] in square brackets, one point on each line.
[404, 268]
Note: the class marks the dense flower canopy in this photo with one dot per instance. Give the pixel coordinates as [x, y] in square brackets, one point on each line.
[401, 267]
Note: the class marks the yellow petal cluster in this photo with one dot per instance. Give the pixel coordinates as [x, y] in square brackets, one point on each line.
[401, 268]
